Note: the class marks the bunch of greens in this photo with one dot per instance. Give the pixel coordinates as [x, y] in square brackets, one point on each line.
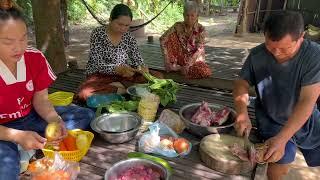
[122, 106]
[166, 89]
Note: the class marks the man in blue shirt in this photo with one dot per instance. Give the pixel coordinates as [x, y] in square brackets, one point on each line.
[285, 71]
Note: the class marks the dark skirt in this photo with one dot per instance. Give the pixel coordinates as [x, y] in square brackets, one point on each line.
[100, 84]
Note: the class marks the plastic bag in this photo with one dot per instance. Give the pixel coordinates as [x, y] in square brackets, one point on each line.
[148, 107]
[157, 141]
[25, 157]
[172, 120]
[54, 169]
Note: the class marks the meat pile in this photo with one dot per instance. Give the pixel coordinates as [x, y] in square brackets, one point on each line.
[253, 155]
[139, 173]
[204, 116]
[199, 70]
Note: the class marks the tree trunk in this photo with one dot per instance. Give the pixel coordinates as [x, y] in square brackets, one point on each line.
[64, 21]
[49, 36]
[242, 19]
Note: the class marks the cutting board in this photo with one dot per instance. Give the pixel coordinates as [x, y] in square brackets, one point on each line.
[215, 153]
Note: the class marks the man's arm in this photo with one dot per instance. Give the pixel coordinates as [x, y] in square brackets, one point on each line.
[241, 99]
[241, 96]
[302, 111]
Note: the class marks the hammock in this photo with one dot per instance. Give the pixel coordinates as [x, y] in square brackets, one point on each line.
[132, 28]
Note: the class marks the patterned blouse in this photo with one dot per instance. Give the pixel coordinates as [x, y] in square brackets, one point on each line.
[104, 56]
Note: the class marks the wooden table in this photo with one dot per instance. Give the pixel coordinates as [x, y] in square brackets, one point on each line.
[103, 155]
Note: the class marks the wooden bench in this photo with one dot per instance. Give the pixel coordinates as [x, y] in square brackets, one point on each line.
[102, 155]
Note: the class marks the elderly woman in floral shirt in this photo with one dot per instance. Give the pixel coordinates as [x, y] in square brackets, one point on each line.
[114, 57]
[183, 45]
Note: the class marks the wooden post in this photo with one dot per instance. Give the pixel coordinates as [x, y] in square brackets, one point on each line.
[241, 27]
[267, 14]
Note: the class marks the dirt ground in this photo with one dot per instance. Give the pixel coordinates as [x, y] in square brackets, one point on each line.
[219, 29]
[220, 34]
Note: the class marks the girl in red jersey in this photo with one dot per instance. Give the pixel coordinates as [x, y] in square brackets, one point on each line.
[25, 110]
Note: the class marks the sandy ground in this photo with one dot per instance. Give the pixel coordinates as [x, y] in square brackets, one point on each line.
[219, 29]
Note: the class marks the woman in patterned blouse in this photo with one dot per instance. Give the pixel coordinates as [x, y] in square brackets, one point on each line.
[111, 48]
[183, 45]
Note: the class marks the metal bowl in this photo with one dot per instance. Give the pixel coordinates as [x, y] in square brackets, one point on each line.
[138, 90]
[187, 111]
[121, 166]
[117, 127]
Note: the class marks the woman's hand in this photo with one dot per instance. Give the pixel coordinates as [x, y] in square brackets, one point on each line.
[30, 140]
[125, 71]
[143, 69]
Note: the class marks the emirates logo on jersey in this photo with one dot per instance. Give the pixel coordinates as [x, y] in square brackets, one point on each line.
[29, 85]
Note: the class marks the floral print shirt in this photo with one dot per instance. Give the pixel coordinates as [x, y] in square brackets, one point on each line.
[104, 56]
[179, 45]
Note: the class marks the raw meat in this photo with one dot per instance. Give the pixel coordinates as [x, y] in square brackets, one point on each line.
[220, 116]
[139, 173]
[204, 116]
[254, 155]
[238, 151]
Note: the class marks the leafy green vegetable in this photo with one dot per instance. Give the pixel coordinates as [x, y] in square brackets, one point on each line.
[122, 106]
[166, 89]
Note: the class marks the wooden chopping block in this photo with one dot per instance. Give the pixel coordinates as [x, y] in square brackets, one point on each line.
[215, 153]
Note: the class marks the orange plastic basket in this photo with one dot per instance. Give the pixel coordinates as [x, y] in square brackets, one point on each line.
[72, 155]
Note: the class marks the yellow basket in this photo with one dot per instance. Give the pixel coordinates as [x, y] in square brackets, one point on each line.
[61, 98]
[72, 155]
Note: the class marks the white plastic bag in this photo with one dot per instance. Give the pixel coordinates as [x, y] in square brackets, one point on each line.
[151, 141]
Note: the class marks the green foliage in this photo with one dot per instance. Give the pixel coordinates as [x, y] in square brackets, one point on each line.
[146, 9]
[225, 2]
[26, 7]
[76, 10]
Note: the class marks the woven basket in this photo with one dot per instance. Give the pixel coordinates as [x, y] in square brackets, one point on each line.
[61, 98]
[72, 155]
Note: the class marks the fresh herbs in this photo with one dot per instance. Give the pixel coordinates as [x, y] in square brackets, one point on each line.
[166, 89]
[122, 106]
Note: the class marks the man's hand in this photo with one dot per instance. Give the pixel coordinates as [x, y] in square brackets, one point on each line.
[125, 71]
[276, 149]
[242, 124]
[29, 140]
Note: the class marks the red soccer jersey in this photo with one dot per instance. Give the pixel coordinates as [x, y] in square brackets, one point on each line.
[16, 93]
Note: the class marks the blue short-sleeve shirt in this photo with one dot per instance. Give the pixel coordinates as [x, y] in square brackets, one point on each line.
[278, 87]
